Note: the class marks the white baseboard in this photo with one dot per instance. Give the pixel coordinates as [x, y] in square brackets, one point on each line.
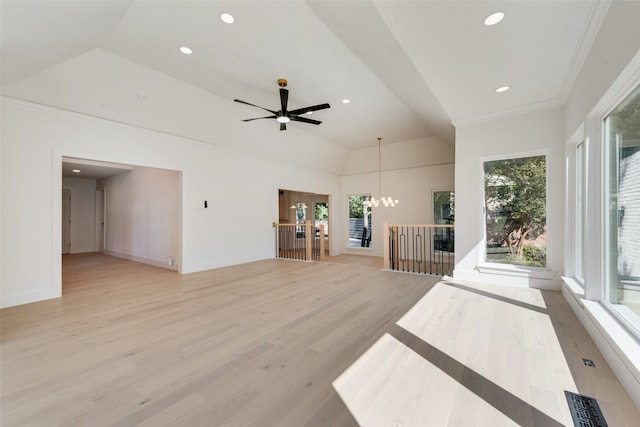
[82, 250]
[225, 262]
[550, 282]
[141, 259]
[10, 300]
[617, 346]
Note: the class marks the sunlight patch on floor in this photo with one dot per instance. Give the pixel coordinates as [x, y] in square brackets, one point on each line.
[504, 334]
[480, 346]
[391, 385]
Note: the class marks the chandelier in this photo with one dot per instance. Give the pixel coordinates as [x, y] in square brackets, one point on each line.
[386, 201]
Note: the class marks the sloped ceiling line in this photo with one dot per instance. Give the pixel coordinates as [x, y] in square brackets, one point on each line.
[361, 28]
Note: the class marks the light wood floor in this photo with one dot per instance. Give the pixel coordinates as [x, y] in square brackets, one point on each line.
[361, 260]
[284, 343]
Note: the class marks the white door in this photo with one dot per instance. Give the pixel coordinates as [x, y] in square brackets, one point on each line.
[66, 221]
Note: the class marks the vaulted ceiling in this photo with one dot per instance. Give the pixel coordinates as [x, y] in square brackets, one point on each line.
[411, 69]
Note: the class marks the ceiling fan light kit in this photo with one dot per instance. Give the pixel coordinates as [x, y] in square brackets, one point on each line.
[284, 116]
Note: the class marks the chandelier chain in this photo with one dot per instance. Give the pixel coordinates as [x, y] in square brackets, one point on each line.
[387, 201]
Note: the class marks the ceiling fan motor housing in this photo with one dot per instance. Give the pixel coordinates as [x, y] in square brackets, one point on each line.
[284, 116]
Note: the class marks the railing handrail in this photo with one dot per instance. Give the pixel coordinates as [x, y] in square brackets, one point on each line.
[422, 225]
[300, 224]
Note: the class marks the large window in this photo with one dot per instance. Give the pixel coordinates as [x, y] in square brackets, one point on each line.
[580, 209]
[622, 138]
[516, 215]
[359, 221]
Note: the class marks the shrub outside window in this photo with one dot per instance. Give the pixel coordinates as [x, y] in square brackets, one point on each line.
[515, 211]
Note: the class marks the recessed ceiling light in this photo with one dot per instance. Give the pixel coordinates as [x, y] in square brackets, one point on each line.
[346, 101]
[75, 170]
[309, 112]
[186, 50]
[494, 18]
[502, 89]
[227, 18]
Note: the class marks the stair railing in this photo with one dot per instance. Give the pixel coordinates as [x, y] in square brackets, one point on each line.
[302, 242]
[419, 248]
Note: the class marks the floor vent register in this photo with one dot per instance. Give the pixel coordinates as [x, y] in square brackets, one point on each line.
[585, 410]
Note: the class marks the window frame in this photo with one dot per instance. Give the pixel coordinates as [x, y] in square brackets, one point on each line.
[597, 211]
[316, 220]
[580, 211]
[506, 268]
[610, 218]
[348, 215]
[433, 205]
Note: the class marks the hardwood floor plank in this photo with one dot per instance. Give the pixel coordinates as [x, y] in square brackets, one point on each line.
[261, 344]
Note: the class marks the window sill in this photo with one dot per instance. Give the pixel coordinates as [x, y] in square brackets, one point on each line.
[517, 271]
[617, 335]
[576, 288]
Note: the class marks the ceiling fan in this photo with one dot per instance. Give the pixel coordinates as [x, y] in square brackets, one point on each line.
[283, 116]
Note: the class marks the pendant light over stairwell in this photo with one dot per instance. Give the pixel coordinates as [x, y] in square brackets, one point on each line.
[386, 201]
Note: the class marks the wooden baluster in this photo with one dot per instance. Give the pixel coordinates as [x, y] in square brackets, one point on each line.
[321, 242]
[307, 240]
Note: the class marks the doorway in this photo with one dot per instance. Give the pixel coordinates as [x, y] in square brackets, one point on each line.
[296, 207]
[105, 216]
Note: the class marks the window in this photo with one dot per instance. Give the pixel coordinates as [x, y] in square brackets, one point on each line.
[443, 213]
[443, 207]
[515, 211]
[301, 218]
[580, 209]
[622, 141]
[322, 216]
[301, 213]
[359, 221]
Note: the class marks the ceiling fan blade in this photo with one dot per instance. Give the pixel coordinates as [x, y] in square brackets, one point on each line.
[284, 98]
[305, 120]
[307, 109]
[258, 118]
[257, 106]
[283, 126]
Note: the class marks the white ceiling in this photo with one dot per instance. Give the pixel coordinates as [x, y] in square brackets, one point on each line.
[410, 68]
[91, 169]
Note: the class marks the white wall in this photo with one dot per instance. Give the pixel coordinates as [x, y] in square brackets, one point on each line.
[83, 213]
[411, 171]
[616, 43]
[100, 84]
[242, 191]
[143, 215]
[412, 187]
[532, 133]
[399, 155]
